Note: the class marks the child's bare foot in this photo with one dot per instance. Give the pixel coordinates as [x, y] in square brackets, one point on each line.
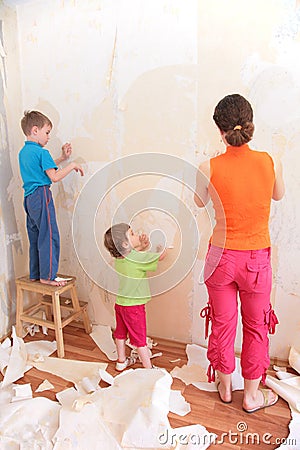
[53, 282]
[33, 279]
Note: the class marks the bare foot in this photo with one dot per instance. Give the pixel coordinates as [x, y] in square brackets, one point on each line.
[33, 279]
[53, 282]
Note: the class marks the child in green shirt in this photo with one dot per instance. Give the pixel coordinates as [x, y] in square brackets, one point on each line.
[132, 264]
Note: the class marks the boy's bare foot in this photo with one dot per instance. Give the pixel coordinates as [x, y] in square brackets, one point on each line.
[33, 279]
[53, 282]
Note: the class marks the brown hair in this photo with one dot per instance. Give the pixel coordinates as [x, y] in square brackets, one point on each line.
[34, 119]
[114, 239]
[234, 117]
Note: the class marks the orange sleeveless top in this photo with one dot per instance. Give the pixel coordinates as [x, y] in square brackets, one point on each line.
[241, 188]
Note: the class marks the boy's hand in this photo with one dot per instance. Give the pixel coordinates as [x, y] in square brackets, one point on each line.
[66, 151]
[144, 241]
[79, 169]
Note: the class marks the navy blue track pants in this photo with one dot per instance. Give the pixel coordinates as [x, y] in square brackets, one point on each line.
[43, 234]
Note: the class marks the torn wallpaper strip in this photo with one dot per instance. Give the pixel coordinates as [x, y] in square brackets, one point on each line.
[194, 372]
[17, 361]
[71, 370]
[102, 336]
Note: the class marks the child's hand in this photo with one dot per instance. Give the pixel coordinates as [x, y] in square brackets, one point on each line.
[163, 252]
[79, 169]
[144, 241]
[66, 151]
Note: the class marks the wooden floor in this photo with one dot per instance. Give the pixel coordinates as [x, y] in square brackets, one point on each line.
[227, 420]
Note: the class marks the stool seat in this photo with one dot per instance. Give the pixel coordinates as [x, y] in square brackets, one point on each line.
[52, 303]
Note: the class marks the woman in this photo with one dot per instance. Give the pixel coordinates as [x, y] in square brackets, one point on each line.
[241, 183]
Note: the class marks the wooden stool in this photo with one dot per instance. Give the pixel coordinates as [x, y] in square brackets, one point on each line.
[52, 303]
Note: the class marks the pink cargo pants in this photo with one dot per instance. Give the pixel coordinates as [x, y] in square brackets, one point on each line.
[248, 273]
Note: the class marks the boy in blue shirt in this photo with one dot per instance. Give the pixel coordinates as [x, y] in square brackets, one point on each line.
[38, 171]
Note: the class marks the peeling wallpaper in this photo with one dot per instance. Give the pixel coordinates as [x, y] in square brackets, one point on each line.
[132, 77]
[10, 238]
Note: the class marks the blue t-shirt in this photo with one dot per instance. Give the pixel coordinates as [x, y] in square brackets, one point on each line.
[34, 160]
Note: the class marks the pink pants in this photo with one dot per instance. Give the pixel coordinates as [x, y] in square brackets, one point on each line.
[131, 320]
[249, 273]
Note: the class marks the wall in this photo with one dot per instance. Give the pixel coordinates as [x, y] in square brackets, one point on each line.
[258, 59]
[132, 77]
[10, 232]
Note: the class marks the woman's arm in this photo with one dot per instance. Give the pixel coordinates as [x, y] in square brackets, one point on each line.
[279, 188]
[201, 195]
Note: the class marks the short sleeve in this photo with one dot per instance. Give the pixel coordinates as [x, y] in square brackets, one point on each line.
[47, 161]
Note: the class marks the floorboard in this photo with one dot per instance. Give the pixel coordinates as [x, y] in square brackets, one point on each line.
[235, 428]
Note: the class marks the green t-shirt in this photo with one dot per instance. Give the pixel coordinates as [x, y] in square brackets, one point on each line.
[134, 286]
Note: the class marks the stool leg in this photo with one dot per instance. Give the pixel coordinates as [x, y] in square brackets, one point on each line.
[48, 311]
[19, 311]
[58, 325]
[86, 321]
[75, 301]
[76, 306]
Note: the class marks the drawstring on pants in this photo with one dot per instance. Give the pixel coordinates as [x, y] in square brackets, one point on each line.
[271, 320]
[205, 314]
[211, 373]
